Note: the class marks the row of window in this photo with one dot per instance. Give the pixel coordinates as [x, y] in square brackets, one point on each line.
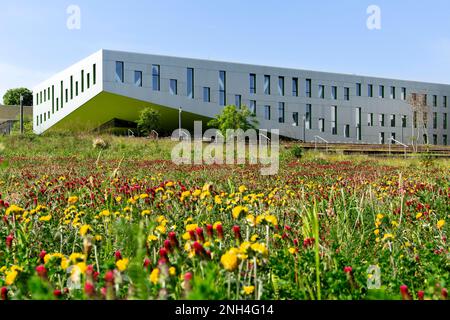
[65, 94]
[382, 138]
[173, 86]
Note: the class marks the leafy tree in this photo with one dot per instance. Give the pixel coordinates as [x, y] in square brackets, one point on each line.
[12, 97]
[234, 118]
[149, 120]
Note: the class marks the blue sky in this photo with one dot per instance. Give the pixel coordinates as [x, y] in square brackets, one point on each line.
[327, 35]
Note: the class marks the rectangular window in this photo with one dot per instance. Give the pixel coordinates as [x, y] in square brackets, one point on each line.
[76, 88]
[425, 120]
[358, 123]
[382, 138]
[321, 92]
[347, 131]
[403, 97]
[444, 140]
[281, 86]
[88, 80]
[71, 87]
[425, 139]
[347, 94]
[334, 93]
[252, 83]
[415, 119]
[253, 106]
[190, 83]
[435, 120]
[238, 100]
[281, 112]
[45, 96]
[435, 101]
[381, 120]
[308, 111]
[173, 87]
[82, 80]
[156, 77]
[370, 119]
[334, 120]
[322, 125]
[295, 87]
[295, 118]
[45, 117]
[267, 112]
[138, 78]
[445, 101]
[119, 71]
[67, 95]
[94, 74]
[206, 94]
[404, 121]
[370, 90]
[36, 102]
[381, 92]
[393, 137]
[222, 88]
[435, 139]
[62, 94]
[267, 85]
[37, 120]
[358, 89]
[392, 119]
[308, 88]
[48, 115]
[53, 99]
[444, 121]
[393, 93]
[57, 104]
[40, 97]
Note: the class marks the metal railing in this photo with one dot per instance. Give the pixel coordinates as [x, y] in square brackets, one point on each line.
[316, 138]
[130, 133]
[155, 134]
[266, 138]
[397, 142]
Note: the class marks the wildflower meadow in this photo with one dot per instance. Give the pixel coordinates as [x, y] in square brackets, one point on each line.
[119, 220]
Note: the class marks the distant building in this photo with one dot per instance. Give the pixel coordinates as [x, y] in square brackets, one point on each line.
[302, 104]
[9, 115]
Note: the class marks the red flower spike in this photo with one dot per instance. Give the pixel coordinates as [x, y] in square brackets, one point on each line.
[89, 289]
[188, 276]
[444, 293]
[4, 293]
[42, 255]
[57, 293]
[219, 229]
[405, 293]
[237, 233]
[167, 245]
[163, 254]
[109, 277]
[210, 231]
[200, 235]
[173, 239]
[41, 271]
[147, 262]
[348, 269]
[421, 295]
[9, 240]
[118, 255]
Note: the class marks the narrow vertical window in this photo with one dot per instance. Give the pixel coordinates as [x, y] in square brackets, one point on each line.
[382, 138]
[94, 74]
[82, 80]
[370, 119]
[358, 89]
[295, 118]
[370, 90]
[138, 78]
[190, 83]
[295, 87]
[71, 87]
[252, 83]
[435, 101]
[334, 93]
[62, 94]
[173, 87]
[238, 100]
[321, 94]
[393, 93]
[156, 77]
[67, 95]
[381, 120]
[404, 121]
[445, 101]
[206, 94]
[76, 88]
[88, 80]
[381, 91]
[392, 118]
[281, 112]
[322, 125]
[281, 86]
[444, 121]
[222, 88]
[347, 131]
[267, 112]
[403, 96]
[308, 88]
[119, 72]
[253, 106]
[435, 120]
[334, 120]
[358, 123]
[347, 94]
[308, 116]
[267, 85]
[53, 99]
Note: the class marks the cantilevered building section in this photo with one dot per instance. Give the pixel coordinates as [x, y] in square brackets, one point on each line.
[113, 86]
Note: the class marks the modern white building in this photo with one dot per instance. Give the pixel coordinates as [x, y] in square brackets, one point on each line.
[302, 104]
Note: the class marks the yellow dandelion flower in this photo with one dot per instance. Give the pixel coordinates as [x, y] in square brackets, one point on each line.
[217, 199]
[229, 261]
[85, 229]
[440, 224]
[242, 189]
[172, 271]
[72, 200]
[197, 193]
[10, 277]
[238, 210]
[191, 227]
[45, 218]
[151, 238]
[419, 215]
[254, 238]
[154, 276]
[248, 290]
[377, 232]
[143, 196]
[122, 264]
[292, 250]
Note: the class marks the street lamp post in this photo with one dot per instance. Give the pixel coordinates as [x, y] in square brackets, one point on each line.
[21, 114]
[179, 122]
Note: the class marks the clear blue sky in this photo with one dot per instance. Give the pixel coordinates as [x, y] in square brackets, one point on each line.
[327, 35]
